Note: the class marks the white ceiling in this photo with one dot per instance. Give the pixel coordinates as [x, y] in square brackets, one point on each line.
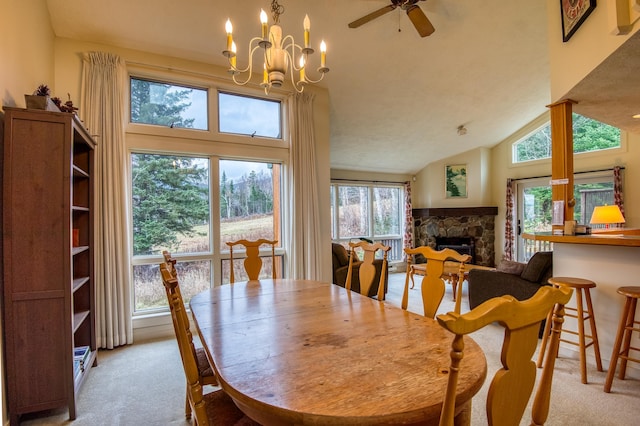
[396, 99]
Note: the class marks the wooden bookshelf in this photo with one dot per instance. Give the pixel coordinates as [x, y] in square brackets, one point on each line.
[48, 280]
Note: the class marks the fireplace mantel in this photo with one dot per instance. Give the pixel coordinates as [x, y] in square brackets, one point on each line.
[455, 212]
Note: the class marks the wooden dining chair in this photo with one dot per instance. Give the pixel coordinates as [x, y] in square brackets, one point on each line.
[171, 263]
[213, 408]
[432, 284]
[513, 384]
[367, 270]
[253, 261]
[205, 371]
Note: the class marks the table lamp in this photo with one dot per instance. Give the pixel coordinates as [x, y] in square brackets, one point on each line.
[606, 215]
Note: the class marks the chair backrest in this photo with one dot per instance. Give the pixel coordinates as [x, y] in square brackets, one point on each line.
[512, 385]
[185, 344]
[170, 263]
[253, 262]
[367, 271]
[432, 285]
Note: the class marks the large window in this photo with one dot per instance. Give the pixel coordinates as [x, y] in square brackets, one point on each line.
[588, 135]
[172, 210]
[167, 104]
[249, 210]
[368, 211]
[190, 196]
[246, 115]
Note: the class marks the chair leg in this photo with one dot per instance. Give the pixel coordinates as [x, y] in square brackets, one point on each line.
[581, 338]
[411, 272]
[627, 339]
[616, 346]
[545, 338]
[187, 407]
[594, 332]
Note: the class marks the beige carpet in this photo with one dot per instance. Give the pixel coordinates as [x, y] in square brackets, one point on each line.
[143, 384]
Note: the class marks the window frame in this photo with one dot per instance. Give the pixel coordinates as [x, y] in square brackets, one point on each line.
[335, 215]
[213, 86]
[545, 120]
[243, 95]
[141, 138]
[579, 178]
[172, 83]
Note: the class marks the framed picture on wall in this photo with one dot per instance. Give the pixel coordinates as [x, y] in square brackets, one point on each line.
[456, 180]
[574, 13]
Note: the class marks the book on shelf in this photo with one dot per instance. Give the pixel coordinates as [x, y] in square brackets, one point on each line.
[80, 355]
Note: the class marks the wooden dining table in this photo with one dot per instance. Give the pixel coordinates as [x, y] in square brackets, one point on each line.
[308, 352]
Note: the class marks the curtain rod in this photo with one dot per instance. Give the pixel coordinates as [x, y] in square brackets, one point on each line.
[575, 173]
[369, 181]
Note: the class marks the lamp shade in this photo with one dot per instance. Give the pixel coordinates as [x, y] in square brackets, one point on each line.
[607, 215]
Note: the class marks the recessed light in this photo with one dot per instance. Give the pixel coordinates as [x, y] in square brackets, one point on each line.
[635, 116]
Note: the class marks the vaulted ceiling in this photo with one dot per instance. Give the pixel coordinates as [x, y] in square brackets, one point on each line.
[396, 99]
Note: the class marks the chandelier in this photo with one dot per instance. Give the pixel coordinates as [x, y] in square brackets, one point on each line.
[279, 54]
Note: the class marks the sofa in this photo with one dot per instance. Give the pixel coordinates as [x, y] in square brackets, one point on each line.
[340, 263]
[517, 279]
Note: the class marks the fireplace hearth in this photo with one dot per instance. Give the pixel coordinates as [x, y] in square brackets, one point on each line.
[463, 245]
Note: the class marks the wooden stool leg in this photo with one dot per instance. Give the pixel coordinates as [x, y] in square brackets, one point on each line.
[545, 338]
[594, 332]
[583, 349]
[626, 343]
[616, 346]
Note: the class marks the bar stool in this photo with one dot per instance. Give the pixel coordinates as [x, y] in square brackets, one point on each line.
[623, 338]
[581, 286]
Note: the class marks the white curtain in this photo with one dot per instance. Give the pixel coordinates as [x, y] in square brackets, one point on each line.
[104, 92]
[306, 243]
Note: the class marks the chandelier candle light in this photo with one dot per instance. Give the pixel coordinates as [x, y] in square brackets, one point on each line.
[279, 54]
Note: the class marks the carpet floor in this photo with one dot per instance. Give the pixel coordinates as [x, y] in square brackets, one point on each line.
[143, 384]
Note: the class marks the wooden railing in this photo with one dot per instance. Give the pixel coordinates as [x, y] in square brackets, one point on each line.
[531, 247]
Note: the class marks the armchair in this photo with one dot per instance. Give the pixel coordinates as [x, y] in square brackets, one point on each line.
[510, 278]
[340, 264]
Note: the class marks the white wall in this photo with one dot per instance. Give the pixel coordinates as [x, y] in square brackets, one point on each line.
[26, 50]
[26, 55]
[594, 40]
[429, 190]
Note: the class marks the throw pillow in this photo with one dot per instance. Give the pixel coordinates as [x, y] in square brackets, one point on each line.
[537, 266]
[511, 267]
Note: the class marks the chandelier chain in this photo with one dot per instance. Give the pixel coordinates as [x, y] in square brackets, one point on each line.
[276, 10]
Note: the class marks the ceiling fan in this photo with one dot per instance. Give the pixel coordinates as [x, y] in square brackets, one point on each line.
[415, 14]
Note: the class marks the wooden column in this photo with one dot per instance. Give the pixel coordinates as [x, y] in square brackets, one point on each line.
[562, 157]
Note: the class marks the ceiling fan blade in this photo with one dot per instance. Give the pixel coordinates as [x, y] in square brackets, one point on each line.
[420, 21]
[372, 16]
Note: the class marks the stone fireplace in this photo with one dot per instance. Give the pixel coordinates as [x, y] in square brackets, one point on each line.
[463, 245]
[468, 230]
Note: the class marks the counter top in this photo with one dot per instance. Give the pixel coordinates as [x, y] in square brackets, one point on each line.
[620, 237]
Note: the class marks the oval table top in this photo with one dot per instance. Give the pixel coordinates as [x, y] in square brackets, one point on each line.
[307, 352]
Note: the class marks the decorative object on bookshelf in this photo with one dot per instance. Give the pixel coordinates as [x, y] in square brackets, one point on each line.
[41, 99]
[67, 106]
